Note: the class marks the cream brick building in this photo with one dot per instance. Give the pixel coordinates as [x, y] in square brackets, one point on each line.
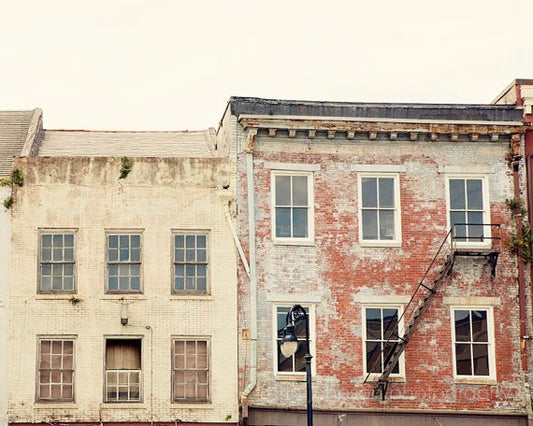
[123, 291]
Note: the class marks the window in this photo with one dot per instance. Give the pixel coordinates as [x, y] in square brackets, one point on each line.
[124, 263]
[381, 334]
[190, 263]
[123, 370]
[56, 370]
[190, 370]
[295, 363]
[56, 262]
[379, 209]
[468, 206]
[293, 206]
[472, 339]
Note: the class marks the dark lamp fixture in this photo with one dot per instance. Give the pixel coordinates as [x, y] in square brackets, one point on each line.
[289, 344]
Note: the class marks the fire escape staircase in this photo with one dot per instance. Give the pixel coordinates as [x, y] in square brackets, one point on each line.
[449, 250]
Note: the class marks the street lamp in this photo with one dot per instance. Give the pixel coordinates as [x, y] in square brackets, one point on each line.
[288, 348]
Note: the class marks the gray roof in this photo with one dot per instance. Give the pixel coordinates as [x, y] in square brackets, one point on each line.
[14, 127]
[83, 143]
[259, 106]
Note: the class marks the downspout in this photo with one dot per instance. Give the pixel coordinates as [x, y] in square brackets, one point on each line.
[253, 273]
[227, 201]
[515, 150]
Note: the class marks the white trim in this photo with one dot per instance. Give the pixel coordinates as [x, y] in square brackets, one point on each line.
[381, 300]
[293, 297]
[491, 378]
[401, 362]
[397, 240]
[284, 375]
[486, 209]
[309, 240]
[467, 169]
[292, 166]
[373, 120]
[378, 168]
[472, 301]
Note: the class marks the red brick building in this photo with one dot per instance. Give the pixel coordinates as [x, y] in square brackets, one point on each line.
[394, 225]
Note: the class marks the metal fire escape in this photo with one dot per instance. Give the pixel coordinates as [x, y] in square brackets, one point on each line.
[456, 244]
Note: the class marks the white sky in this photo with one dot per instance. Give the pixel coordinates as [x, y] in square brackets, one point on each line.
[172, 64]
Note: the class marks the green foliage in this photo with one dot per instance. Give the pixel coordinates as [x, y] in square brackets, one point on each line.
[5, 182]
[75, 300]
[127, 165]
[8, 202]
[228, 417]
[17, 178]
[516, 241]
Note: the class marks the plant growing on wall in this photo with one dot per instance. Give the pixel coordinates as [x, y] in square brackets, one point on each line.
[125, 169]
[8, 202]
[523, 240]
[16, 179]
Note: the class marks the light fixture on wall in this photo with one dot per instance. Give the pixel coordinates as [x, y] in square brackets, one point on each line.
[124, 314]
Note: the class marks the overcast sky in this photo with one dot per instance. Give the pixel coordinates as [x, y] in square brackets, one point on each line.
[172, 64]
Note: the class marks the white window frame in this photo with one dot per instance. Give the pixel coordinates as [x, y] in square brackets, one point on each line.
[310, 208]
[473, 379]
[64, 338]
[397, 240]
[129, 233]
[293, 375]
[400, 376]
[41, 261]
[487, 243]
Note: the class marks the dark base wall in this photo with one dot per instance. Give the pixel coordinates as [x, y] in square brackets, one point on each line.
[264, 417]
[122, 424]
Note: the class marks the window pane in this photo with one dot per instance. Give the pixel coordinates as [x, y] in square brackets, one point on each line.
[124, 241]
[373, 357]
[481, 359]
[463, 358]
[46, 255]
[369, 192]
[390, 324]
[475, 194]
[462, 326]
[179, 241]
[388, 349]
[299, 191]
[113, 241]
[201, 241]
[124, 255]
[479, 326]
[135, 241]
[299, 357]
[386, 192]
[201, 255]
[283, 222]
[57, 240]
[386, 224]
[460, 230]
[299, 223]
[370, 225]
[46, 240]
[135, 255]
[475, 231]
[373, 323]
[283, 190]
[457, 194]
[68, 240]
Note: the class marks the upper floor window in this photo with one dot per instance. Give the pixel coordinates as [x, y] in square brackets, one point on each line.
[292, 206]
[381, 334]
[190, 375]
[55, 381]
[56, 262]
[124, 263]
[295, 363]
[379, 204]
[473, 343]
[190, 262]
[469, 215]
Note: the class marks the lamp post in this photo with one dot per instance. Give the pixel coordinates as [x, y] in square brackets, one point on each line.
[289, 345]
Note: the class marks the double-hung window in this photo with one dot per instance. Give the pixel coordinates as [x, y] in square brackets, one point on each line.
[123, 370]
[56, 262]
[473, 343]
[190, 370]
[55, 382]
[292, 199]
[381, 334]
[469, 215]
[190, 262]
[124, 263]
[379, 206]
[295, 363]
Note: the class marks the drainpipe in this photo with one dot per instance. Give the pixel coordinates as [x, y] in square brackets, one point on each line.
[253, 275]
[231, 225]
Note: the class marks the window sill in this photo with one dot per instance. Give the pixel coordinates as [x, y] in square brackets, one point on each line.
[124, 405]
[191, 405]
[206, 297]
[293, 377]
[292, 242]
[375, 377]
[380, 244]
[55, 405]
[54, 296]
[124, 296]
[475, 380]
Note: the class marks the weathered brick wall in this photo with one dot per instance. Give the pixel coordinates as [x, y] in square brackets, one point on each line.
[5, 244]
[158, 196]
[336, 273]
